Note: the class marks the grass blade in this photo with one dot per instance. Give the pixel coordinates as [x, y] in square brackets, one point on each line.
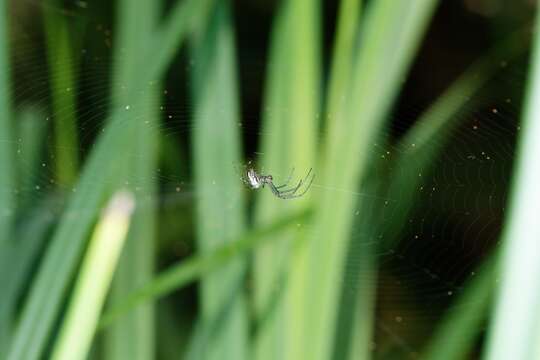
[342, 58]
[460, 326]
[62, 70]
[194, 268]
[100, 176]
[184, 17]
[515, 330]
[292, 105]
[94, 278]
[422, 144]
[62, 255]
[32, 129]
[21, 256]
[31, 135]
[7, 171]
[272, 146]
[390, 28]
[455, 336]
[341, 70]
[221, 212]
[134, 336]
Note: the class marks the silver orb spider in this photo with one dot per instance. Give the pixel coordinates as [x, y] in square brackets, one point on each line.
[256, 181]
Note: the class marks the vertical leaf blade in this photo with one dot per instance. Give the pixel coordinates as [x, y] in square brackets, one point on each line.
[515, 328]
[391, 35]
[100, 175]
[291, 109]
[7, 171]
[134, 336]
[62, 70]
[220, 205]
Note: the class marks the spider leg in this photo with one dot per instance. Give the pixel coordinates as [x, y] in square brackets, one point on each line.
[275, 191]
[293, 190]
[280, 194]
[305, 188]
[288, 180]
[291, 193]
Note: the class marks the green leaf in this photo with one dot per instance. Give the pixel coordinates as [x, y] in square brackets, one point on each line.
[95, 276]
[422, 144]
[62, 74]
[134, 337]
[515, 328]
[20, 257]
[194, 268]
[290, 125]
[7, 170]
[32, 131]
[390, 36]
[101, 175]
[221, 211]
[343, 55]
[459, 328]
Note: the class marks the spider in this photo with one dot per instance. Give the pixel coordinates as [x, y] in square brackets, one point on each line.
[256, 181]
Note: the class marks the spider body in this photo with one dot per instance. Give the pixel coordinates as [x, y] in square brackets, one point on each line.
[256, 181]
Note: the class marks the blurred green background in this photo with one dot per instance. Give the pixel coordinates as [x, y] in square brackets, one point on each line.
[126, 231]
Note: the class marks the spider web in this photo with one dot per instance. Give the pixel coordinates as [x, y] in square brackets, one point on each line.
[459, 206]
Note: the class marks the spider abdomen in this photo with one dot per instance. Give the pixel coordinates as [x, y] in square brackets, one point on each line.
[253, 179]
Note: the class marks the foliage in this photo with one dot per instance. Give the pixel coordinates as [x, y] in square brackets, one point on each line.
[274, 277]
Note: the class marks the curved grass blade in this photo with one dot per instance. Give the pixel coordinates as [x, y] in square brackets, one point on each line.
[457, 332]
[515, 328]
[30, 132]
[21, 255]
[186, 16]
[422, 144]
[95, 276]
[459, 328]
[447, 113]
[194, 268]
